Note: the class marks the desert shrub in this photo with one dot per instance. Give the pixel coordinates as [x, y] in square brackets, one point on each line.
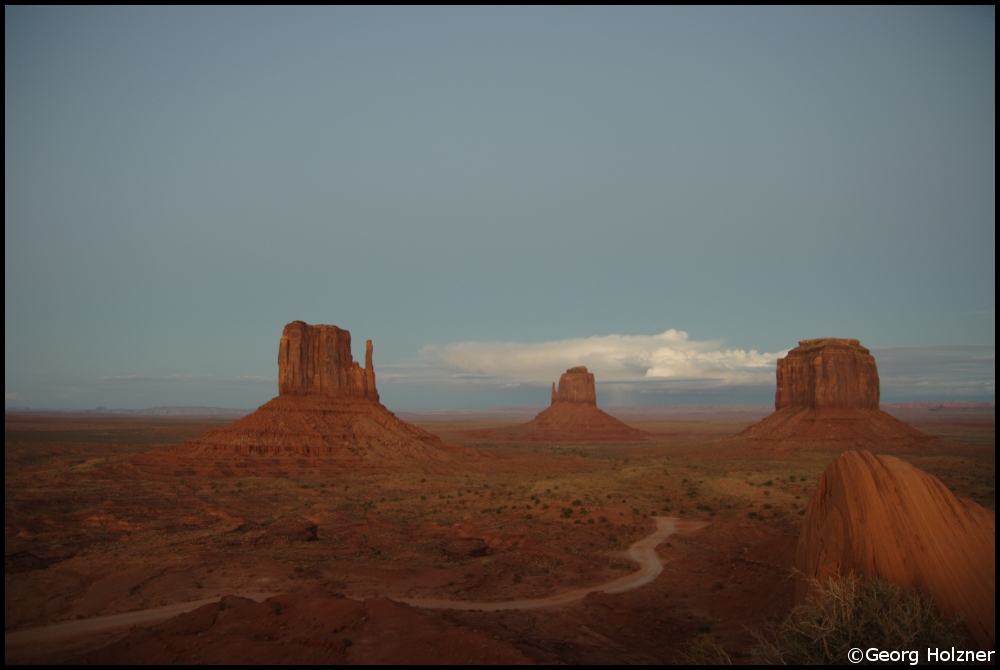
[703, 650]
[849, 613]
[566, 512]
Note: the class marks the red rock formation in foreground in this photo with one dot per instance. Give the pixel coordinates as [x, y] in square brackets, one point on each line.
[327, 406]
[828, 396]
[878, 516]
[573, 416]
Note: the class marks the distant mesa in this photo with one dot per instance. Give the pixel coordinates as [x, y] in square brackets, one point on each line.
[576, 385]
[878, 516]
[828, 372]
[573, 416]
[828, 396]
[327, 406]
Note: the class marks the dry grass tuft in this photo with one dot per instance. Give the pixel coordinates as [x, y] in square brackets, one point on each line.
[704, 650]
[849, 613]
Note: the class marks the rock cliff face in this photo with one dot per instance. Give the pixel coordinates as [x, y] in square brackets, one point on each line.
[828, 396]
[878, 516]
[327, 407]
[829, 372]
[318, 360]
[575, 385]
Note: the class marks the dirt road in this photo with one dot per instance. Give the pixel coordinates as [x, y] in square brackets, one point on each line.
[18, 645]
[642, 552]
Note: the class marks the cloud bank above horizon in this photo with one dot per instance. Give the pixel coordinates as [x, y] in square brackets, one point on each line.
[667, 368]
[670, 356]
[664, 369]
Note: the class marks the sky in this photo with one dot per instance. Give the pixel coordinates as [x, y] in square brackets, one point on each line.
[672, 196]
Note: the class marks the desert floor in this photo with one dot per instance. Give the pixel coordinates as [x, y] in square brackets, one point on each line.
[92, 530]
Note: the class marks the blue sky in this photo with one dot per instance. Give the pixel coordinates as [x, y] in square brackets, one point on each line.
[477, 188]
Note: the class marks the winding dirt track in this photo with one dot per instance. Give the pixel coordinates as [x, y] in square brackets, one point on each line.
[642, 552]
[101, 624]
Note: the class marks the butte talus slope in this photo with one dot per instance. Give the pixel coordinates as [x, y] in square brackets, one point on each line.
[327, 407]
[878, 516]
[828, 396]
[572, 416]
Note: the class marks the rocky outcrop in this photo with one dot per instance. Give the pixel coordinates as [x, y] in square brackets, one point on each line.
[327, 407]
[318, 360]
[573, 416]
[828, 372]
[576, 385]
[878, 516]
[827, 396]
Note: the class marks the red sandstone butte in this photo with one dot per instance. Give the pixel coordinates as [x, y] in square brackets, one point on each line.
[827, 373]
[327, 406]
[878, 516]
[576, 386]
[827, 395]
[317, 360]
[573, 416]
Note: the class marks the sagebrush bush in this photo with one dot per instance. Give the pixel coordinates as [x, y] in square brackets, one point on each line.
[848, 612]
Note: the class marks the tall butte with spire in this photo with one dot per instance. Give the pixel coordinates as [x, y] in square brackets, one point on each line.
[828, 395]
[572, 416]
[327, 407]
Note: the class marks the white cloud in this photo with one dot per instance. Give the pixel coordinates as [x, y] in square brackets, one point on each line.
[670, 356]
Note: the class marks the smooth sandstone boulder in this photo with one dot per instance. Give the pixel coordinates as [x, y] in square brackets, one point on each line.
[878, 516]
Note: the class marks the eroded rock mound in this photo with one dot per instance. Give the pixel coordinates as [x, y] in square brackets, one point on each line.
[573, 416]
[878, 516]
[327, 406]
[827, 395]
